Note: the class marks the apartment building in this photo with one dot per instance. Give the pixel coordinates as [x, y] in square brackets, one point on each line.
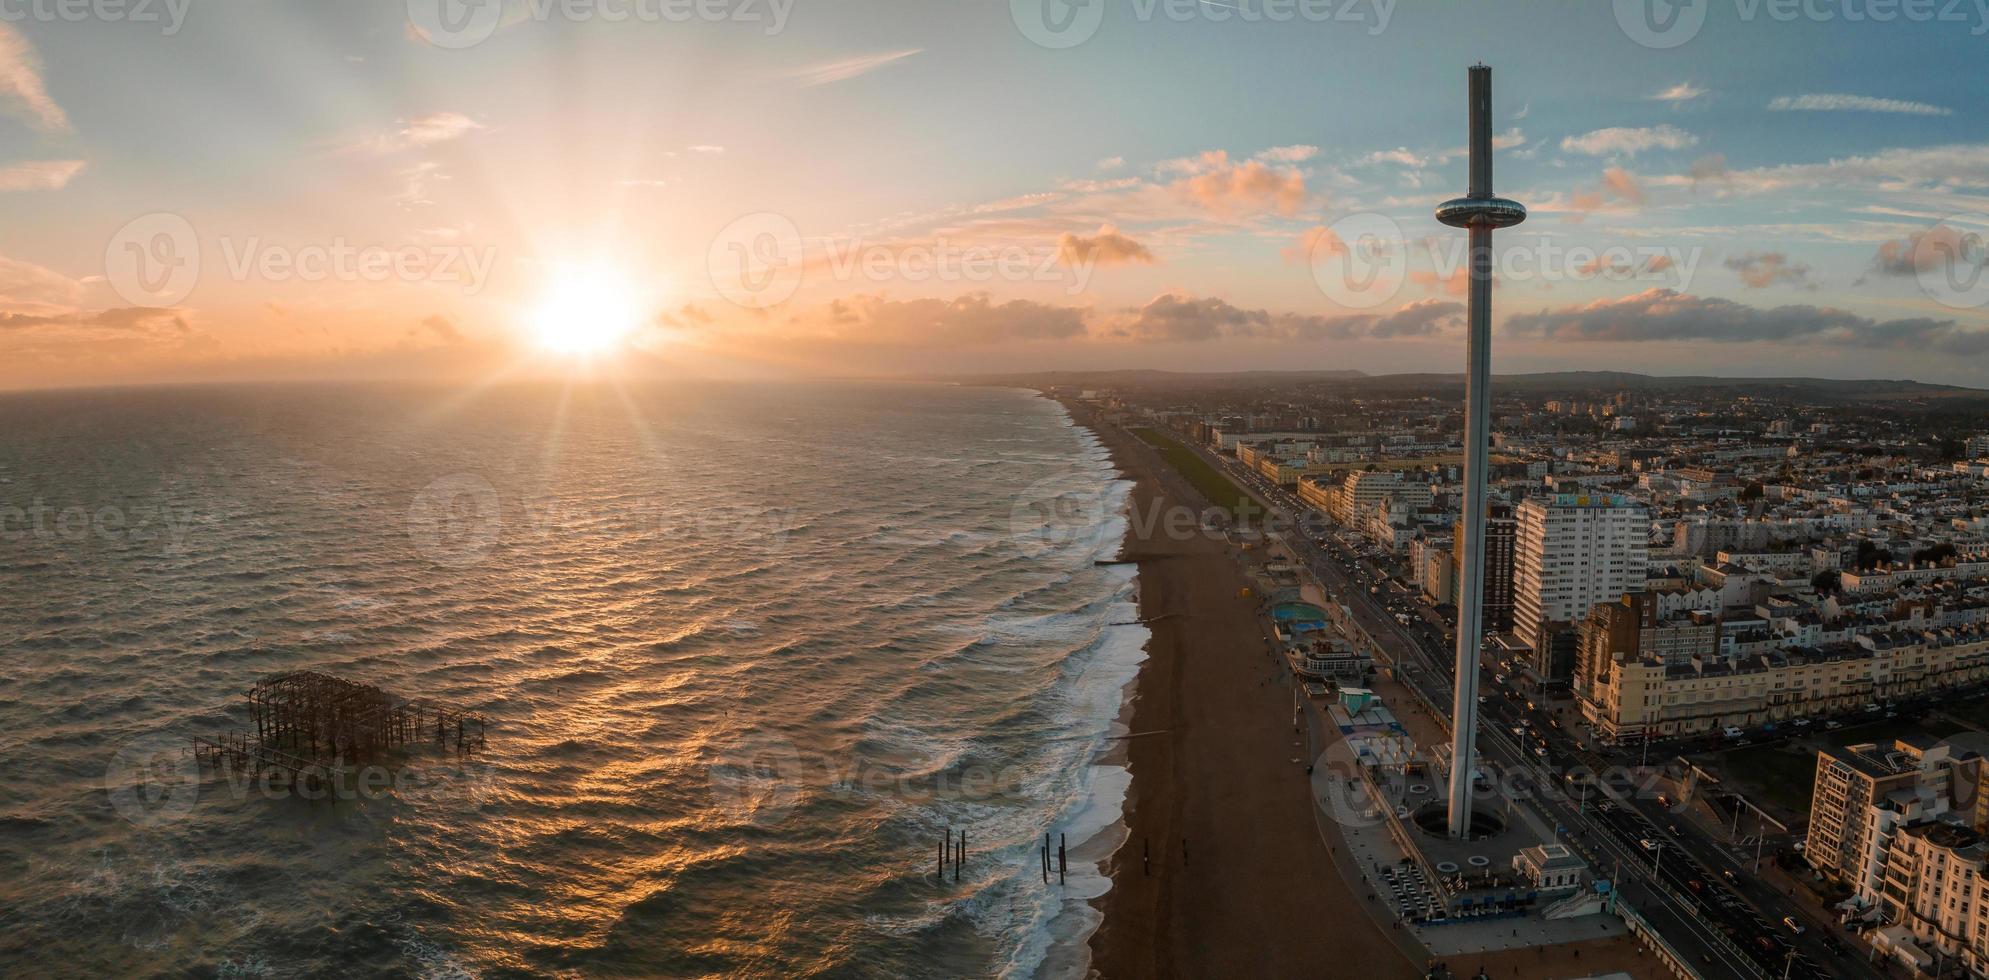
[1901, 826]
[1625, 697]
[1500, 535]
[1571, 551]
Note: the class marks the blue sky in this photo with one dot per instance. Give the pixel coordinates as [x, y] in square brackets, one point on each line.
[810, 186]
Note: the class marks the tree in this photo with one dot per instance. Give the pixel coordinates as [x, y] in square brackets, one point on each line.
[1753, 491]
[1828, 580]
[1934, 553]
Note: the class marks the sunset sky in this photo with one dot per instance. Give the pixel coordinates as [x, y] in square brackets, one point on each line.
[278, 190]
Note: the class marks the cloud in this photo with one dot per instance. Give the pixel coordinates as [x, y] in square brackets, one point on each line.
[1623, 141]
[1231, 188]
[1664, 314]
[707, 149]
[847, 68]
[1400, 155]
[1173, 318]
[1759, 270]
[424, 130]
[971, 320]
[1681, 92]
[1619, 183]
[438, 127]
[442, 329]
[1939, 168]
[1822, 102]
[1313, 242]
[1935, 249]
[39, 175]
[1710, 168]
[25, 286]
[22, 90]
[1297, 153]
[1111, 163]
[1107, 247]
[689, 315]
[122, 319]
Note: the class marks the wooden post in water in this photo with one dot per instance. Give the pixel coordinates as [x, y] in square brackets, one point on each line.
[1146, 857]
[942, 854]
[1061, 866]
[1045, 855]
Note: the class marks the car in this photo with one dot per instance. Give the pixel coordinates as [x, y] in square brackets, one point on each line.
[1648, 844]
[1729, 875]
[1833, 724]
[1731, 732]
[1794, 926]
[1767, 944]
[1801, 723]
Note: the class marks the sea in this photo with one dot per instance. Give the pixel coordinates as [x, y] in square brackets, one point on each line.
[747, 654]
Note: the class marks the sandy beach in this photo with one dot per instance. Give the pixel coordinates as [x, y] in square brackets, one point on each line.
[1223, 871]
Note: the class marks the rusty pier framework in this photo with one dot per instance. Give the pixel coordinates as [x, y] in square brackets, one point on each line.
[309, 723]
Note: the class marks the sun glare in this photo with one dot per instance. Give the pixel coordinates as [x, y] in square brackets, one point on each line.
[585, 313]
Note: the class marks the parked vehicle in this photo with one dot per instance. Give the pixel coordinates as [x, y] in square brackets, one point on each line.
[1794, 926]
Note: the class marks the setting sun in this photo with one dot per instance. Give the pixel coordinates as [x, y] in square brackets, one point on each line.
[585, 313]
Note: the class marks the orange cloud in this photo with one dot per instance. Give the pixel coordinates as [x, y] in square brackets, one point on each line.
[1108, 247]
[1236, 188]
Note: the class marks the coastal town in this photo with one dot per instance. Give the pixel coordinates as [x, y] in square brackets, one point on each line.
[1736, 638]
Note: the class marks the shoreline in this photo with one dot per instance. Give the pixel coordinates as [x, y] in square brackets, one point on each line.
[1218, 867]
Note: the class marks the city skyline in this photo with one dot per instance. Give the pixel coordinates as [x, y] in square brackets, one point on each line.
[1757, 192]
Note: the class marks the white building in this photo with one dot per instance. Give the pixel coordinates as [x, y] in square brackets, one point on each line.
[1572, 551]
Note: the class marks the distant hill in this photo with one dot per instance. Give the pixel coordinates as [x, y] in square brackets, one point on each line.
[1551, 382]
[1567, 381]
[1139, 376]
